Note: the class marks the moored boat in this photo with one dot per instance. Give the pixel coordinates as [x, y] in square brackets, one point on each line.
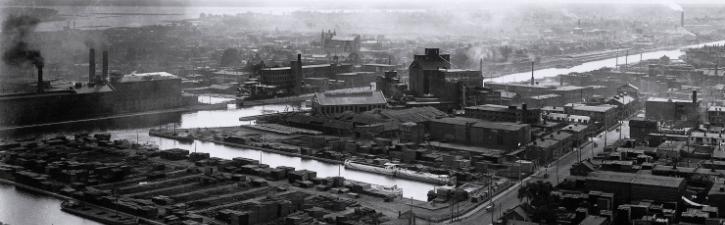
[395, 170]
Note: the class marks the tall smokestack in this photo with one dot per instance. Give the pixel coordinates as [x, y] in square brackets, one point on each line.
[682, 18]
[694, 96]
[532, 73]
[104, 66]
[480, 66]
[40, 77]
[91, 65]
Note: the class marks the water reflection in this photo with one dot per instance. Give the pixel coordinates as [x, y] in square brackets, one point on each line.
[19, 207]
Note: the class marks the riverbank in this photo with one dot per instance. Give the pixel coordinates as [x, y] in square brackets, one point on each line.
[577, 59]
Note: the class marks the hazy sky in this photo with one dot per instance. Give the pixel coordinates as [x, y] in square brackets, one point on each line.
[348, 3]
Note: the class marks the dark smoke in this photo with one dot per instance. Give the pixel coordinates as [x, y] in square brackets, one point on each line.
[17, 51]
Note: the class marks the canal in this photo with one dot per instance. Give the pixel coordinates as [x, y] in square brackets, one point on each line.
[21, 207]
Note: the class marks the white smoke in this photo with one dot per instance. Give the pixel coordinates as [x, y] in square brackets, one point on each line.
[674, 6]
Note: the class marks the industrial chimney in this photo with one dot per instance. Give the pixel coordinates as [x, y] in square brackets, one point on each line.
[40, 77]
[91, 65]
[104, 66]
[694, 96]
[682, 18]
[532, 73]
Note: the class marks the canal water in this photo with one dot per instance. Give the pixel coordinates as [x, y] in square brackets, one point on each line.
[593, 65]
[20, 207]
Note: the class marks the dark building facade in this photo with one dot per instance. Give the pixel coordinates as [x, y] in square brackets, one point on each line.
[128, 94]
[504, 113]
[497, 135]
[628, 187]
[290, 79]
[432, 60]
[431, 76]
[661, 109]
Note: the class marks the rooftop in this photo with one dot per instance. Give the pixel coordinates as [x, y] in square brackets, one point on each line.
[351, 96]
[716, 108]
[595, 108]
[546, 96]
[656, 99]
[481, 123]
[569, 88]
[631, 178]
[134, 77]
[490, 107]
[414, 114]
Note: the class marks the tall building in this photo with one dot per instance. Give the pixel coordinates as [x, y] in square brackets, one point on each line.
[431, 76]
[430, 62]
[333, 43]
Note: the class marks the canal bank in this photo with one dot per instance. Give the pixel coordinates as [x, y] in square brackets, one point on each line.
[29, 205]
[672, 53]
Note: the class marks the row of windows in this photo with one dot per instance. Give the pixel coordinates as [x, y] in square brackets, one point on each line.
[353, 108]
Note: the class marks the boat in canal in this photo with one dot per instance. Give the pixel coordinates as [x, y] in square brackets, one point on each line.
[395, 170]
[97, 214]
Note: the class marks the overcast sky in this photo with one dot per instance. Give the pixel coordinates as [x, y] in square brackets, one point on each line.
[350, 3]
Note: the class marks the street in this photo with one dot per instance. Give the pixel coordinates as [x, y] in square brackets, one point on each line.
[556, 172]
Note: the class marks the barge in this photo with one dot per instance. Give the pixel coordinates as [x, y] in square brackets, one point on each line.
[97, 214]
[395, 170]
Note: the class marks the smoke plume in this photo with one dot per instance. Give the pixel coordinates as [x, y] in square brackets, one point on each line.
[674, 6]
[17, 51]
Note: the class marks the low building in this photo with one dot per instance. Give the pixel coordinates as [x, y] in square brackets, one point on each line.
[699, 137]
[670, 149]
[549, 147]
[496, 135]
[605, 115]
[580, 132]
[716, 115]
[544, 100]
[503, 113]
[640, 128]
[566, 118]
[626, 105]
[628, 187]
[354, 99]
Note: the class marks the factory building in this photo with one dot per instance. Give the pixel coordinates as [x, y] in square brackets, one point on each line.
[353, 99]
[290, 79]
[663, 109]
[431, 77]
[628, 187]
[605, 115]
[331, 42]
[99, 97]
[504, 113]
[496, 135]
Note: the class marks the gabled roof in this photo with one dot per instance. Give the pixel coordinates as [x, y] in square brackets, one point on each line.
[415, 114]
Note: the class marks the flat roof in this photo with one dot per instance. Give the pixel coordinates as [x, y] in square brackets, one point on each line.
[481, 123]
[569, 88]
[716, 108]
[632, 178]
[595, 108]
[352, 96]
[545, 96]
[148, 76]
[657, 99]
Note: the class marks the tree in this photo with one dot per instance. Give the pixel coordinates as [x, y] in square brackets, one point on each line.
[539, 201]
[230, 57]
